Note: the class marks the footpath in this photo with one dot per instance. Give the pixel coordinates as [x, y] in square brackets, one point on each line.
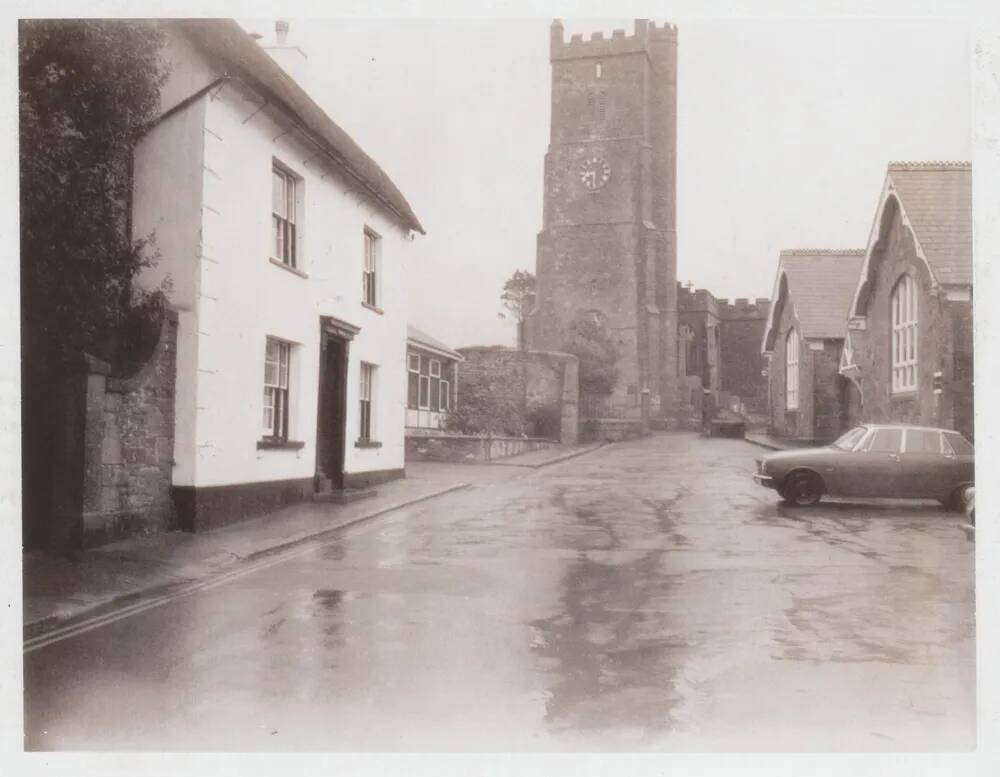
[60, 590]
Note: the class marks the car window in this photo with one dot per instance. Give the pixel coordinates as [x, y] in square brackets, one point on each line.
[923, 441]
[959, 444]
[885, 441]
[850, 439]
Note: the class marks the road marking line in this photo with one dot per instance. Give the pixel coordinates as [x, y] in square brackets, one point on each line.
[308, 546]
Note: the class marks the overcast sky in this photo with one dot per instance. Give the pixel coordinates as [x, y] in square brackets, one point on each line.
[784, 131]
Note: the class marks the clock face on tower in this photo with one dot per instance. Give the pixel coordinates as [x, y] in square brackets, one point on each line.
[594, 173]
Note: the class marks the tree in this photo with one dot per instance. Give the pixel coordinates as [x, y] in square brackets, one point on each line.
[589, 339]
[518, 298]
[88, 90]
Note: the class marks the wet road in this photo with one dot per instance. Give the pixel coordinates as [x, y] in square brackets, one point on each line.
[648, 596]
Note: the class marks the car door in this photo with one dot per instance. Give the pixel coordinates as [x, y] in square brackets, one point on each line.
[924, 470]
[961, 457]
[876, 471]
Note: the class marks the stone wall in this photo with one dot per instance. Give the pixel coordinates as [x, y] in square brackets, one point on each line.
[527, 382]
[944, 343]
[742, 363]
[830, 393]
[128, 439]
[467, 448]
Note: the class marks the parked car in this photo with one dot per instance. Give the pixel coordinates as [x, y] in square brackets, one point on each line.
[875, 460]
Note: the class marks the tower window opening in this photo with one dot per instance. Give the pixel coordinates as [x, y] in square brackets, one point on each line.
[599, 70]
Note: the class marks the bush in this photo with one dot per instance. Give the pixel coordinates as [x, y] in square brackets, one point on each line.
[484, 408]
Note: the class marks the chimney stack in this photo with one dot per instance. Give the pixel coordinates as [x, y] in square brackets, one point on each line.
[289, 57]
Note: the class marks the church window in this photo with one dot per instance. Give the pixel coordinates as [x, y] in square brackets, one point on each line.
[599, 70]
[792, 371]
[904, 335]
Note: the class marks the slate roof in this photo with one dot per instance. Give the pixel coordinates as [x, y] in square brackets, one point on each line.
[421, 339]
[224, 41]
[937, 199]
[821, 285]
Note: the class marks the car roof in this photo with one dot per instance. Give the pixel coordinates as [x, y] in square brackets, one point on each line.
[909, 426]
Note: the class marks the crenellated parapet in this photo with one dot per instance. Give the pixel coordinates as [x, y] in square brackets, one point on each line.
[645, 32]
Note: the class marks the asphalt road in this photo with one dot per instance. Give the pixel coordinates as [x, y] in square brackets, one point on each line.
[648, 596]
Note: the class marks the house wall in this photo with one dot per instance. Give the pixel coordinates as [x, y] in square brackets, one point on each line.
[944, 343]
[167, 197]
[245, 298]
[784, 422]
[203, 180]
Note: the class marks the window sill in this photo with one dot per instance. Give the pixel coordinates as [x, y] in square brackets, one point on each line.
[289, 268]
[284, 445]
[367, 444]
[373, 308]
[903, 394]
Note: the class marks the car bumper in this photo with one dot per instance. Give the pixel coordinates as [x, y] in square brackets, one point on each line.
[765, 480]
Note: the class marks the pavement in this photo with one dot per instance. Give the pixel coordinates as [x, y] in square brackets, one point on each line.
[645, 597]
[60, 589]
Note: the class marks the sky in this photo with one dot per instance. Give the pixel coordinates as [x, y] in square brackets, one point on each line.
[785, 128]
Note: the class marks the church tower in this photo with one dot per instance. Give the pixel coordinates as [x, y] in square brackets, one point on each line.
[607, 249]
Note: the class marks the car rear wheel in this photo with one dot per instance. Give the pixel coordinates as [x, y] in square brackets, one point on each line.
[957, 500]
[802, 489]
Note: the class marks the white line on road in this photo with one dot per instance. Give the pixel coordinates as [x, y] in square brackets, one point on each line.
[75, 629]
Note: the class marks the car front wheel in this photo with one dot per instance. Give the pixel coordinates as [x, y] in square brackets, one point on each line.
[802, 489]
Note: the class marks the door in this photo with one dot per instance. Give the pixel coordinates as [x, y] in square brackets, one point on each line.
[332, 411]
[874, 469]
[924, 472]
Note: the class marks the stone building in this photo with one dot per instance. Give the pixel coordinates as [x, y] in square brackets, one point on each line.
[744, 368]
[719, 349]
[803, 340]
[287, 246]
[909, 350]
[607, 248]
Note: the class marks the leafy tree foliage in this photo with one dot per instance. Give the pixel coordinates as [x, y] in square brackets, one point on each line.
[518, 295]
[88, 89]
[590, 341]
[490, 402]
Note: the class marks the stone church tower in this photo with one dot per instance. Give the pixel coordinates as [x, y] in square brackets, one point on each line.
[607, 249]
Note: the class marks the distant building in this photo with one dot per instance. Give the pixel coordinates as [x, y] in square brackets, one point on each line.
[287, 246]
[432, 380]
[909, 350]
[607, 248]
[803, 340]
[719, 349]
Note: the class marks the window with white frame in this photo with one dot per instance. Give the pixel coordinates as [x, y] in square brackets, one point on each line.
[792, 370]
[413, 379]
[277, 358]
[367, 400]
[904, 335]
[284, 194]
[369, 290]
[445, 392]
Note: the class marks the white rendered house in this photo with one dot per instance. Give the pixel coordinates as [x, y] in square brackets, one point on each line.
[286, 248]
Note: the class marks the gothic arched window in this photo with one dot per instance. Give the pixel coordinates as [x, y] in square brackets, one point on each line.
[792, 370]
[903, 304]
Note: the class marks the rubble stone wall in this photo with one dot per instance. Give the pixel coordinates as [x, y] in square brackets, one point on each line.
[128, 446]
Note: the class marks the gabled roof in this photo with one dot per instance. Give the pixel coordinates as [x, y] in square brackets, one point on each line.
[420, 339]
[241, 57]
[819, 284]
[937, 199]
